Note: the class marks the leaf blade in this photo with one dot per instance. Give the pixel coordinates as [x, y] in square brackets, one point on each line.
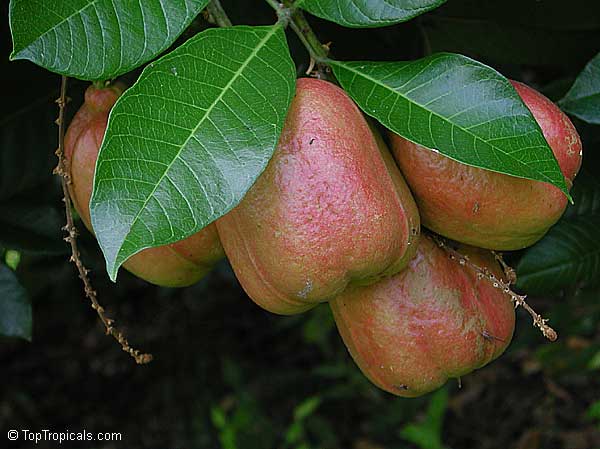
[368, 14]
[214, 131]
[583, 99]
[485, 126]
[32, 226]
[15, 308]
[96, 39]
[586, 194]
[568, 254]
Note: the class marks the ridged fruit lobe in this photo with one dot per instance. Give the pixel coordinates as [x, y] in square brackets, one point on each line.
[175, 265]
[435, 320]
[331, 208]
[485, 208]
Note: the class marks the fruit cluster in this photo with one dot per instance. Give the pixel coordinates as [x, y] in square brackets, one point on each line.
[336, 217]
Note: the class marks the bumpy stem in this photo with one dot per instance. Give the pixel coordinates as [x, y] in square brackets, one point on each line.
[65, 179]
[511, 275]
[518, 300]
[218, 14]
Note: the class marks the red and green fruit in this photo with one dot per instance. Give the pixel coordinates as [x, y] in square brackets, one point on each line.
[330, 210]
[175, 265]
[485, 208]
[436, 320]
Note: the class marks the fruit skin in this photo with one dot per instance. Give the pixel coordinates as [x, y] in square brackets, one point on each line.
[484, 208]
[435, 320]
[178, 264]
[331, 208]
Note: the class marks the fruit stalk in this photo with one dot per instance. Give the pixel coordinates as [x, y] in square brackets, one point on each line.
[63, 173]
[518, 300]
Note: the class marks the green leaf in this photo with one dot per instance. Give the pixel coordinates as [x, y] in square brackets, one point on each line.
[458, 106]
[187, 141]
[96, 39]
[12, 259]
[594, 363]
[30, 225]
[428, 434]
[306, 408]
[583, 99]
[594, 410]
[586, 196]
[218, 417]
[30, 214]
[15, 309]
[368, 13]
[28, 139]
[570, 252]
[567, 255]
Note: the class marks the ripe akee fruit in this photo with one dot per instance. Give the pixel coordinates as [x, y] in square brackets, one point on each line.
[485, 208]
[435, 320]
[331, 208]
[175, 265]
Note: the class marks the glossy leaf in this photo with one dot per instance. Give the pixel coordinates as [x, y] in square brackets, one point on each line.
[567, 255]
[368, 13]
[586, 196]
[96, 39]
[570, 252]
[583, 99]
[30, 209]
[28, 139]
[457, 106]
[32, 225]
[187, 141]
[15, 308]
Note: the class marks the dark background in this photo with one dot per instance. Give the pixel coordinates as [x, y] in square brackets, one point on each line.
[228, 374]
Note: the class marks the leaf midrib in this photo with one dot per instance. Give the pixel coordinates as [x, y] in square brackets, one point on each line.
[234, 77]
[441, 117]
[66, 19]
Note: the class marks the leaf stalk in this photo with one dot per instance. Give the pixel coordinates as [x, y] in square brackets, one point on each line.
[289, 13]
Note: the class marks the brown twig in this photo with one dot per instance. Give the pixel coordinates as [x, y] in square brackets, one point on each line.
[511, 274]
[518, 300]
[65, 179]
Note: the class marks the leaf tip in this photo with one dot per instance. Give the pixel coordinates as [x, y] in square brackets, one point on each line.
[113, 270]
